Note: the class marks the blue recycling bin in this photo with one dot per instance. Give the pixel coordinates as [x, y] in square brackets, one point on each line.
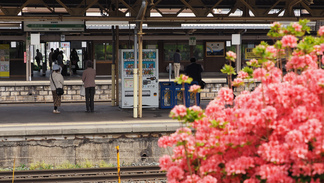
[190, 97]
[167, 94]
[171, 94]
[178, 98]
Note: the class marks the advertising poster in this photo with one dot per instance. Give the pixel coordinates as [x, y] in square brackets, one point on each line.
[4, 61]
[215, 49]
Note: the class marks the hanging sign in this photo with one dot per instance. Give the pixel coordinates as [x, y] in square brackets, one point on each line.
[192, 41]
[54, 26]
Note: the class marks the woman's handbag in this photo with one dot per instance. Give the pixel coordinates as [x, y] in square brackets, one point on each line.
[59, 91]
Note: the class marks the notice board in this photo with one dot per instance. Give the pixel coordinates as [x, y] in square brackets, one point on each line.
[4, 61]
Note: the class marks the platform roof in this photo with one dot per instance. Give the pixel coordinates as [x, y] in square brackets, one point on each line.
[163, 16]
[202, 11]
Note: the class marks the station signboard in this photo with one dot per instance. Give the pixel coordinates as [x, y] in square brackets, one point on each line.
[54, 26]
[249, 54]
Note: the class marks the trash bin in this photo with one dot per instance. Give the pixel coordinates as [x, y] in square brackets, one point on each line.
[179, 95]
[190, 97]
[167, 95]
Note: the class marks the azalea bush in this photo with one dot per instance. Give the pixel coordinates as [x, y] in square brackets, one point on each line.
[272, 134]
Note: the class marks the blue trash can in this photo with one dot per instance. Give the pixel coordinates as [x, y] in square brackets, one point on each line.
[179, 94]
[167, 93]
[190, 97]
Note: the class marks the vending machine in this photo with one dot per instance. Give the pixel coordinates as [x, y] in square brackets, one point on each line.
[150, 79]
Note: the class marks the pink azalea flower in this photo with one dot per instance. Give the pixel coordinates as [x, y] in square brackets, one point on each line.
[165, 162]
[175, 172]
[208, 179]
[178, 110]
[321, 31]
[226, 94]
[268, 65]
[253, 61]
[231, 54]
[239, 166]
[238, 82]
[194, 88]
[272, 50]
[289, 41]
[165, 141]
[184, 77]
[259, 73]
[290, 77]
[195, 108]
[192, 179]
[243, 75]
[318, 168]
[269, 113]
[273, 133]
[252, 180]
[297, 27]
[318, 50]
[274, 24]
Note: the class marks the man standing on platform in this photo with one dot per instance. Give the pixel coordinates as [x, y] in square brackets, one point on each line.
[176, 63]
[39, 58]
[50, 58]
[194, 71]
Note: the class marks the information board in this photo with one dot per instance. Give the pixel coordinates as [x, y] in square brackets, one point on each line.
[4, 61]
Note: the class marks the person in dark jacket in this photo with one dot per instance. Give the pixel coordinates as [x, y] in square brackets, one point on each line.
[74, 60]
[194, 70]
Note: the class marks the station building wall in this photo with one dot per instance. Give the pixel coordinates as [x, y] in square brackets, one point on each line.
[101, 51]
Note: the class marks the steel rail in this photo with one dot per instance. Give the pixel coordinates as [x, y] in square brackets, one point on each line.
[134, 177]
[89, 174]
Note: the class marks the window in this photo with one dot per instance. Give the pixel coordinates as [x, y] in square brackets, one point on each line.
[17, 52]
[198, 51]
[170, 48]
[103, 51]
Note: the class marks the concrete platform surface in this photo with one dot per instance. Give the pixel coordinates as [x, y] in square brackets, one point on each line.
[38, 119]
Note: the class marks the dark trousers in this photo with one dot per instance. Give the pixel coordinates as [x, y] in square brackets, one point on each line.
[89, 95]
[38, 63]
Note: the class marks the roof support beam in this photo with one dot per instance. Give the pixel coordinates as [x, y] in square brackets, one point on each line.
[248, 6]
[78, 11]
[14, 11]
[212, 8]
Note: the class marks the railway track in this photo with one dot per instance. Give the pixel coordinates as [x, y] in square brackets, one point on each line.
[87, 175]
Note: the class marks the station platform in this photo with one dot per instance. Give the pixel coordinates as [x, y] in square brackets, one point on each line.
[36, 119]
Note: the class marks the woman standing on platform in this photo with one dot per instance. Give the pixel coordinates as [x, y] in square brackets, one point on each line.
[56, 81]
[88, 78]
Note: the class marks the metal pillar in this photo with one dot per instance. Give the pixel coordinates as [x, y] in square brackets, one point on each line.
[140, 15]
[117, 64]
[238, 58]
[140, 70]
[113, 77]
[135, 77]
[28, 61]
